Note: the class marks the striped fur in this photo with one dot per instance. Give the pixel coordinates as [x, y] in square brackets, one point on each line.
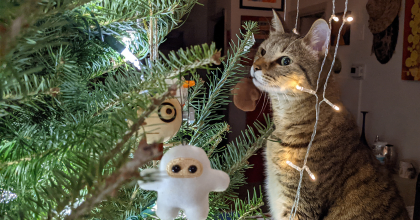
[350, 183]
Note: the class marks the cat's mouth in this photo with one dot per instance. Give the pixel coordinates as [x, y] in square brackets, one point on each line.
[257, 83]
[257, 79]
[260, 83]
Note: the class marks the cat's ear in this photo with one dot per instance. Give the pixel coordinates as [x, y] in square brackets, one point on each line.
[277, 23]
[318, 37]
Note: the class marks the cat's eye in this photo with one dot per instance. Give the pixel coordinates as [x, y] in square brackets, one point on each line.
[284, 61]
[262, 52]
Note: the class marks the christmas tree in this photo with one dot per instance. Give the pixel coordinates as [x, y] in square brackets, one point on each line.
[73, 73]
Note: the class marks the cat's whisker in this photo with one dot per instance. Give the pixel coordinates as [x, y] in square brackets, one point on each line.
[264, 104]
[259, 98]
[287, 97]
[278, 98]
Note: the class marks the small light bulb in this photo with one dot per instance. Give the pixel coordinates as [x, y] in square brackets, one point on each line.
[126, 40]
[309, 172]
[295, 31]
[300, 169]
[312, 176]
[335, 18]
[305, 90]
[130, 57]
[349, 19]
[332, 105]
[293, 166]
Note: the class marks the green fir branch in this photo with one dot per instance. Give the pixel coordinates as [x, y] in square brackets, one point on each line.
[219, 88]
[234, 158]
[247, 209]
[19, 16]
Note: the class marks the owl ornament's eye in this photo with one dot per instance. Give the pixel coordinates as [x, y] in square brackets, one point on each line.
[167, 112]
[164, 123]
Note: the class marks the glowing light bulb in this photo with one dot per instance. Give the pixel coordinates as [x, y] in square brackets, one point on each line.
[305, 90]
[332, 105]
[310, 173]
[349, 19]
[335, 18]
[312, 176]
[292, 165]
[130, 57]
[300, 169]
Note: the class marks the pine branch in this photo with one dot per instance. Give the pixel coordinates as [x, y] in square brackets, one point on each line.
[20, 18]
[245, 209]
[175, 64]
[34, 85]
[217, 138]
[220, 87]
[142, 155]
[236, 154]
[135, 127]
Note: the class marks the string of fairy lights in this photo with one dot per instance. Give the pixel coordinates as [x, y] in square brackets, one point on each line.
[293, 211]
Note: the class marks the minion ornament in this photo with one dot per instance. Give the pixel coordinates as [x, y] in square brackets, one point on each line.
[184, 180]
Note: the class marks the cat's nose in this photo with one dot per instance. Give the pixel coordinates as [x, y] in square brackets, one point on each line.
[256, 68]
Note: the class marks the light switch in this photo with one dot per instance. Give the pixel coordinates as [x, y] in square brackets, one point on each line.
[357, 71]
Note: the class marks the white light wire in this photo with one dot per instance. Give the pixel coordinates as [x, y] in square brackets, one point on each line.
[317, 106]
[285, 9]
[297, 17]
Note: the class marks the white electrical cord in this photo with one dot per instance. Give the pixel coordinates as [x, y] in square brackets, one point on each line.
[297, 18]
[285, 9]
[293, 211]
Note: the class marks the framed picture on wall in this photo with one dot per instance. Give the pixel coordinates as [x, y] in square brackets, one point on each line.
[262, 4]
[411, 46]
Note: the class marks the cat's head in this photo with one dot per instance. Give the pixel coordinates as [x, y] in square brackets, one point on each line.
[285, 60]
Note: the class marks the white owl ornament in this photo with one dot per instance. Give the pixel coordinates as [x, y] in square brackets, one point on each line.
[185, 179]
[162, 124]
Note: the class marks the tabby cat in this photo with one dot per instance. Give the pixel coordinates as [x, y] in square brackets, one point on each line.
[350, 183]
